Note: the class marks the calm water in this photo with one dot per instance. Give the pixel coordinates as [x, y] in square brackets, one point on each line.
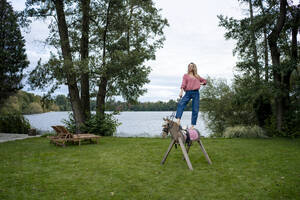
[134, 124]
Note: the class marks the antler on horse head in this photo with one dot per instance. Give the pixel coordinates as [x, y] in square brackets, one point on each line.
[166, 119]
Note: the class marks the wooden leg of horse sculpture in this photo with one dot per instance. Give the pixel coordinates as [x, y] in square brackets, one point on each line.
[203, 150]
[187, 150]
[168, 151]
[185, 154]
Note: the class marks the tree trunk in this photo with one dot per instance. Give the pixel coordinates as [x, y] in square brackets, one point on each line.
[104, 79]
[84, 53]
[101, 97]
[294, 58]
[275, 55]
[266, 55]
[68, 64]
[253, 42]
[266, 52]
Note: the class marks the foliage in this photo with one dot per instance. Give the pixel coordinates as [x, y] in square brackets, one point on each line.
[243, 103]
[95, 124]
[34, 107]
[11, 105]
[291, 126]
[12, 52]
[267, 93]
[171, 105]
[244, 132]
[221, 106]
[129, 168]
[63, 103]
[122, 36]
[111, 105]
[45, 134]
[215, 104]
[27, 103]
[254, 98]
[13, 123]
[134, 33]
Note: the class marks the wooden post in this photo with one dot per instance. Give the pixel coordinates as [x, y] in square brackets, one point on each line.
[185, 154]
[203, 150]
[168, 151]
[187, 150]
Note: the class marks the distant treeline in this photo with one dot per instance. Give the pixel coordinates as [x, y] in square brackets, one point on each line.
[64, 105]
[28, 103]
[171, 105]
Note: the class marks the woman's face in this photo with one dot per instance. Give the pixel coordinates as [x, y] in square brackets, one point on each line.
[190, 68]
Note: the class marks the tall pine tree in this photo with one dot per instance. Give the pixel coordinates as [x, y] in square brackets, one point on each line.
[13, 59]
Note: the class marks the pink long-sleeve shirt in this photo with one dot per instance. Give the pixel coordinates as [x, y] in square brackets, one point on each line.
[191, 83]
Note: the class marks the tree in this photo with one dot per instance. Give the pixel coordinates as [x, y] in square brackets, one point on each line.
[64, 70]
[275, 55]
[131, 33]
[12, 52]
[253, 42]
[101, 47]
[62, 102]
[272, 27]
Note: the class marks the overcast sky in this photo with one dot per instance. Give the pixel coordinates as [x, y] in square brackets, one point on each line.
[193, 36]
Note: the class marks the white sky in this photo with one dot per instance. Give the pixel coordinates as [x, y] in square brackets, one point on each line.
[193, 36]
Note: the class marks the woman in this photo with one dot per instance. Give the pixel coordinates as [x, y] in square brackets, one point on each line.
[190, 84]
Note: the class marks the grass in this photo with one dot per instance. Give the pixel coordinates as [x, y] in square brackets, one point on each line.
[129, 168]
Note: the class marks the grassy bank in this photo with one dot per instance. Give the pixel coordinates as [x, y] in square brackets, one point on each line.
[129, 168]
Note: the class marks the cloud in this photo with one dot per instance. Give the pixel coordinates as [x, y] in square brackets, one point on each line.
[162, 93]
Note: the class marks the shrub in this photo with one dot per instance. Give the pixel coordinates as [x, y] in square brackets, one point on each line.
[11, 105]
[290, 128]
[47, 134]
[244, 132]
[14, 123]
[95, 125]
[34, 108]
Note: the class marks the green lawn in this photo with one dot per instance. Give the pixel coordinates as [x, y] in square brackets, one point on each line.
[129, 168]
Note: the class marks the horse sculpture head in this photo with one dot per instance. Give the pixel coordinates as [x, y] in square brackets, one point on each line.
[168, 125]
[166, 128]
[175, 130]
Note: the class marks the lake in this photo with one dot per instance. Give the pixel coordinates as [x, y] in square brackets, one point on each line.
[134, 124]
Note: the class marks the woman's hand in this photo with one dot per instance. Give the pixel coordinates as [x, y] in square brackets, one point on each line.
[180, 93]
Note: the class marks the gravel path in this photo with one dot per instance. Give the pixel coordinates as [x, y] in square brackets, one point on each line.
[4, 137]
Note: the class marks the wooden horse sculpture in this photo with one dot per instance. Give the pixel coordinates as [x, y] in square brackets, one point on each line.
[178, 136]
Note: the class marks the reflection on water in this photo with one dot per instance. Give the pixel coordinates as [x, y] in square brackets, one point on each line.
[134, 124]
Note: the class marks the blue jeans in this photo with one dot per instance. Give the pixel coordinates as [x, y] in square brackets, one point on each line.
[189, 94]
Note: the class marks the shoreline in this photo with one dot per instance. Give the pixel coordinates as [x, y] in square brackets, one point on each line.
[6, 137]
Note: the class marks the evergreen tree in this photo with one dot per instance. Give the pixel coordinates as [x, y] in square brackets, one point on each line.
[13, 59]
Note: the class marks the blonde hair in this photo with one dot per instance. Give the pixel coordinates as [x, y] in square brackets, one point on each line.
[193, 68]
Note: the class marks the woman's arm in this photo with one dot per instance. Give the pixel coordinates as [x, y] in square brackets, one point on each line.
[181, 92]
[184, 82]
[183, 85]
[202, 80]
